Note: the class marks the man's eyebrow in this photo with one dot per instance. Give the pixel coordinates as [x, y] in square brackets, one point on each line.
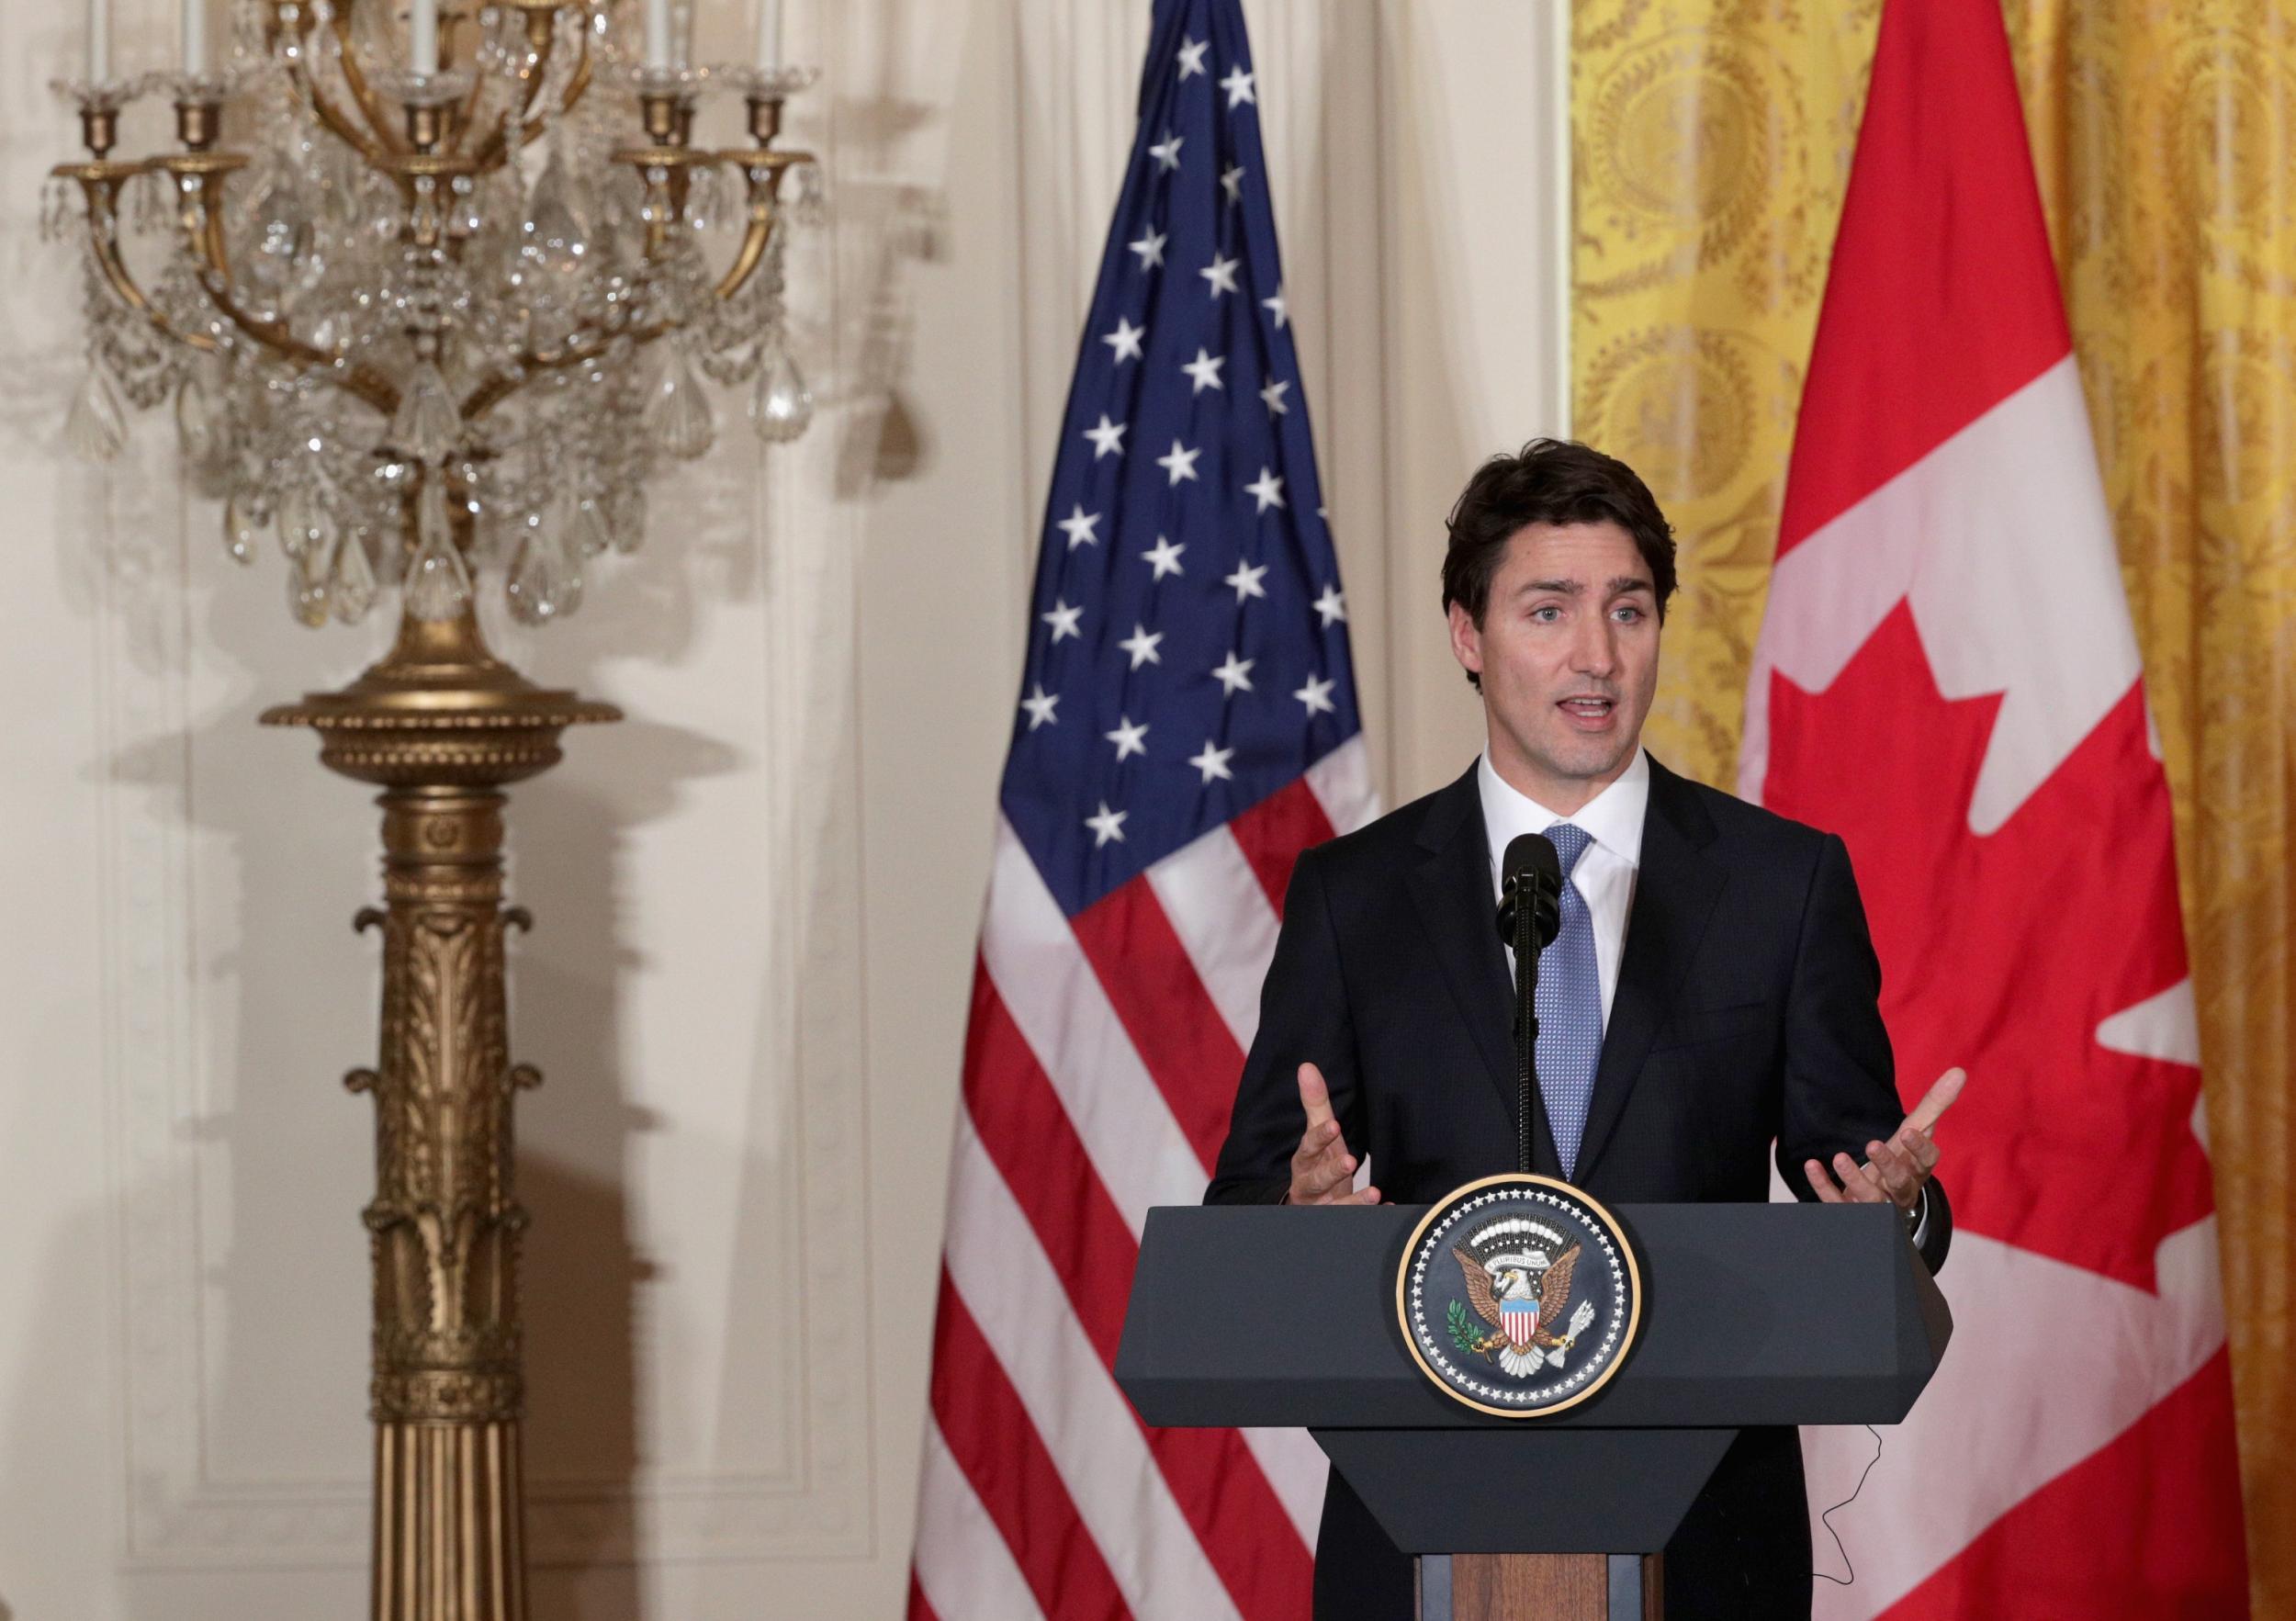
[1617, 586]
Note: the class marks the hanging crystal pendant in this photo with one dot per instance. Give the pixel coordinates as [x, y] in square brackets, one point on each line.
[427, 423]
[56, 198]
[97, 429]
[195, 420]
[592, 534]
[810, 206]
[283, 228]
[625, 519]
[437, 585]
[351, 582]
[679, 419]
[426, 219]
[374, 38]
[553, 235]
[780, 405]
[544, 584]
[306, 526]
[245, 517]
[307, 588]
[464, 219]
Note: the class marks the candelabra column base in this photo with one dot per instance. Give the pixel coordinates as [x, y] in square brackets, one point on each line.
[442, 726]
[449, 1519]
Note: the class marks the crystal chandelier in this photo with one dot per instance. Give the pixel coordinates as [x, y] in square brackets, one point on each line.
[439, 320]
[435, 320]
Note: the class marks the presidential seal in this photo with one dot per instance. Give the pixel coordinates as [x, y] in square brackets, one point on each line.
[1519, 1296]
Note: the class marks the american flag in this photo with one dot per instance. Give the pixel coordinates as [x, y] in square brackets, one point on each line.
[1187, 726]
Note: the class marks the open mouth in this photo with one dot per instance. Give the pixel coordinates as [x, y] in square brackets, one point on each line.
[1592, 713]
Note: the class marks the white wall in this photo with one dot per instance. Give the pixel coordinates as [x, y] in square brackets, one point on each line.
[756, 899]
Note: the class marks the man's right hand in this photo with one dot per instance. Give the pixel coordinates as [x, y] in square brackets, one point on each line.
[1322, 1171]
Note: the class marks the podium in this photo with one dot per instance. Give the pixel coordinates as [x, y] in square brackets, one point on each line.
[1752, 1314]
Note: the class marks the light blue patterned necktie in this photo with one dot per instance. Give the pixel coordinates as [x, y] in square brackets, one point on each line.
[1570, 1008]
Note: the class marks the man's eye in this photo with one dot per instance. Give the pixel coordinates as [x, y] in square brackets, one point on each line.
[1628, 613]
[1545, 614]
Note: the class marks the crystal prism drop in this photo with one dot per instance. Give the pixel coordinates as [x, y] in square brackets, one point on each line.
[780, 405]
[55, 209]
[553, 235]
[97, 429]
[283, 228]
[437, 585]
[195, 420]
[567, 589]
[465, 218]
[591, 533]
[294, 523]
[810, 208]
[306, 526]
[374, 38]
[526, 589]
[625, 520]
[427, 423]
[307, 589]
[351, 582]
[680, 420]
[544, 583]
[245, 517]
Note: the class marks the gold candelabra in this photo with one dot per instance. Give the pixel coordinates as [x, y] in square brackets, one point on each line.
[403, 357]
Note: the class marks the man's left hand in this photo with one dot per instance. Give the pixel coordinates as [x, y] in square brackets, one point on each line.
[1896, 1170]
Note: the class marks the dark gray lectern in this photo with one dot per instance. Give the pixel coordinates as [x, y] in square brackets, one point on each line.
[1752, 1314]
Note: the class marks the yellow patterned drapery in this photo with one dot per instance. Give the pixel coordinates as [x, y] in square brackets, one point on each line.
[1711, 143]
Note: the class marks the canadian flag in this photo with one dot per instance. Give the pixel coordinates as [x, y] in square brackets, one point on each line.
[1948, 678]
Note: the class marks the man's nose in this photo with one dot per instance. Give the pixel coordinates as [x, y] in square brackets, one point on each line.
[1593, 651]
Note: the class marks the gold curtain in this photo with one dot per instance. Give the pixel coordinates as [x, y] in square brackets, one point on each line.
[1712, 143]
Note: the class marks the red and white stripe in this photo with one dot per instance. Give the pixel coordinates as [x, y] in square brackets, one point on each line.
[1101, 1062]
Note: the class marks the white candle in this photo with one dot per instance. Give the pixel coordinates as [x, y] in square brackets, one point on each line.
[683, 11]
[657, 33]
[194, 38]
[99, 41]
[769, 34]
[422, 37]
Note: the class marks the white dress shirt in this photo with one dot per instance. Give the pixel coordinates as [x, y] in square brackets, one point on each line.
[1604, 875]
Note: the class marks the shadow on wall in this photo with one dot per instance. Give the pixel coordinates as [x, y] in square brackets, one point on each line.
[883, 440]
[584, 1278]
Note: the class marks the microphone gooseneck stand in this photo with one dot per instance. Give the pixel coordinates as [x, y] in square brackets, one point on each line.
[1527, 950]
[1533, 875]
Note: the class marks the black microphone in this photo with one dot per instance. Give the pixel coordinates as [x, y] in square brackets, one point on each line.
[1530, 916]
[1531, 867]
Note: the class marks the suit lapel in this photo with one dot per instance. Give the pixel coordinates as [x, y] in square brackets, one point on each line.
[1675, 890]
[1451, 886]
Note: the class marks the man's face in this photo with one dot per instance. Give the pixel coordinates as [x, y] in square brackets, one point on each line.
[1567, 651]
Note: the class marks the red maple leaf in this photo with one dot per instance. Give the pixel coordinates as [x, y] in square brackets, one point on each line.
[2002, 953]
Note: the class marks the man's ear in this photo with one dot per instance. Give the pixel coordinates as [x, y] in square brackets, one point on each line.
[1467, 640]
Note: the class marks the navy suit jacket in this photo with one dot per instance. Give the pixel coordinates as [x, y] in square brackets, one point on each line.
[1747, 1013]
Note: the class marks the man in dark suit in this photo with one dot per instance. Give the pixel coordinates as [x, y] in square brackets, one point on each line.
[1712, 989]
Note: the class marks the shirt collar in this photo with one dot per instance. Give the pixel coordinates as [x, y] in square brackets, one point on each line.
[1613, 819]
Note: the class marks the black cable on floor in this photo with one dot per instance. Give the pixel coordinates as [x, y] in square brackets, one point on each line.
[1827, 1519]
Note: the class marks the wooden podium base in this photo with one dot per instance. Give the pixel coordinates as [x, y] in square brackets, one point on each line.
[1540, 1587]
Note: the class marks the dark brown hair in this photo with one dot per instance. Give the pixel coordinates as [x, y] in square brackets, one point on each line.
[1549, 482]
